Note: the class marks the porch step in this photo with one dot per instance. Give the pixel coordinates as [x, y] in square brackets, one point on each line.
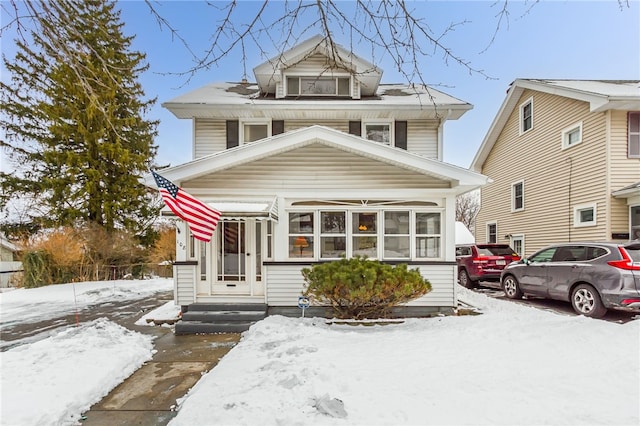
[220, 317]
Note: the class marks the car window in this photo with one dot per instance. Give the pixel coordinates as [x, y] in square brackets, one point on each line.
[594, 253]
[463, 251]
[495, 251]
[544, 255]
[569, 254]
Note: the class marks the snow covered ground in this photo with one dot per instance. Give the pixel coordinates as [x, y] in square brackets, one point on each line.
[511, 365]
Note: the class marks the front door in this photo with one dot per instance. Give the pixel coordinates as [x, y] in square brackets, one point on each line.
[237, 258]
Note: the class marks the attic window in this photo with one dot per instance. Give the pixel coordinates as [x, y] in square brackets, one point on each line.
[318, 86]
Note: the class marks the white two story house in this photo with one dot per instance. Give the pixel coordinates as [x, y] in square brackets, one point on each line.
[314, 161]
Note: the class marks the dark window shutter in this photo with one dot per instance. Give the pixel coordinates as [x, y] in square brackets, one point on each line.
[401, 134]
[277, 127]
[233, 133]
[355, 128]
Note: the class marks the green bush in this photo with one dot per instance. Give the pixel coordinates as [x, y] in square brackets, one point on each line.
[360, 288]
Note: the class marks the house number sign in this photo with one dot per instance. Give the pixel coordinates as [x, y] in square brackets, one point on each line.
[303, 303]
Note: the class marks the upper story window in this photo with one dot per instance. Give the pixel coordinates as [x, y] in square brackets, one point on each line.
[634, 135]
[572, 135]
[255, 130]
[378, 132]
[492, 232]
[526, 116]
[517, 196]
[318, 86]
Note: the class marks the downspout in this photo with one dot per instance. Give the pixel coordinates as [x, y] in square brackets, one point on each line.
[569, 196]
[440, 135]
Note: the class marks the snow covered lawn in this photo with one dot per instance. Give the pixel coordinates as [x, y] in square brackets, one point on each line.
[513, 365]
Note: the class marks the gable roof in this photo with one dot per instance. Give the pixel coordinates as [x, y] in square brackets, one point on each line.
[463, 180]
[337, 57]
[602, 95]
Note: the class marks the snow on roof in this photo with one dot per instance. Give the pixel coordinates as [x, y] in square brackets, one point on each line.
[600, 87]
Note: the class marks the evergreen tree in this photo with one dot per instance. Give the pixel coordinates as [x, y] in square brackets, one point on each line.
[78, 133]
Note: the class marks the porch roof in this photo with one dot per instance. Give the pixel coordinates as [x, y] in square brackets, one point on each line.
[241, 209]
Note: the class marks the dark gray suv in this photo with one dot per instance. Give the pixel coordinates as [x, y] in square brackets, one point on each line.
[594, 277]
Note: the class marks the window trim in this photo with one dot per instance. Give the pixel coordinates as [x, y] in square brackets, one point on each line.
[583, 207]
[251, 122]
[565, 136]
[389, 123]
[513, 196]
[488, 224]
[522, 118]
[335, 77]
[630, 133]
[519, 237]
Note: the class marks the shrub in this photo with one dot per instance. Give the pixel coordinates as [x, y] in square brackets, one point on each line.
[360, 288]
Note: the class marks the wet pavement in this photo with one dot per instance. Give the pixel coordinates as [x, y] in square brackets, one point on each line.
[149, 396]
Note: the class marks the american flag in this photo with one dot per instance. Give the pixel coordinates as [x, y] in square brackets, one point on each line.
[201, 218]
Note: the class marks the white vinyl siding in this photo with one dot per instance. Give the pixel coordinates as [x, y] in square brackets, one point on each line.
[330, 169]
[211, 137]
[422, 137]
[185, 279]
[285, 284]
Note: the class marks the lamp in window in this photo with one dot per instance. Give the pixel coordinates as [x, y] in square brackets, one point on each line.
[301, 243]
[362, 227]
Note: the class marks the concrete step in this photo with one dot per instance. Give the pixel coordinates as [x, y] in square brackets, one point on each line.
[223, 316]
[196, 327]
[227, 307]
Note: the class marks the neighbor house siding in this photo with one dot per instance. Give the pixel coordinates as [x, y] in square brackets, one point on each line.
[555, 180]
[285, 284]
[623, 171]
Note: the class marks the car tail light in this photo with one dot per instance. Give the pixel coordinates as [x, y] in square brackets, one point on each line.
[515, 257]
[478, 260]
[630, 301]
[625, 263]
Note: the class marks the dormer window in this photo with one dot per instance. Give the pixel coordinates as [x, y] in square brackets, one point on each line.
[318, 86]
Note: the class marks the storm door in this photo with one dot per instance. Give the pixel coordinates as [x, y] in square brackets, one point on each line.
[237, 262]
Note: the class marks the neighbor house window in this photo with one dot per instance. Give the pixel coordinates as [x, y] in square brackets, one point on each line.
[526, 116]
[396, 235]
[634, 135]
[318, 86]
[253, 131]
[584, 215]
[428, 235]
[572, 136]
[492, 232]
[301, 227]
[517, 244]
[378, 132]
[517, 196]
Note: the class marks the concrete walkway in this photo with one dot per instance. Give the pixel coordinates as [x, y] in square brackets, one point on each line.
[148, 396]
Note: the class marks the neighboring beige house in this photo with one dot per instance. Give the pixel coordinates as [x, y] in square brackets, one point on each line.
[315, 161]
[564, 157]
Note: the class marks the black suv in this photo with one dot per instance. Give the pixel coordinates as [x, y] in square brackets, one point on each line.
[482, 262]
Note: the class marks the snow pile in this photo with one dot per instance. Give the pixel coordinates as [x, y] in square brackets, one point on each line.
[51, 382]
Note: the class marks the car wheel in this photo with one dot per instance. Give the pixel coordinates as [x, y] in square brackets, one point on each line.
[586, 301]
[511, 287]
[465, 281]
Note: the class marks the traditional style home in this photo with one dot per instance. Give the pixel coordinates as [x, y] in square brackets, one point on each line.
[564, 157]
[315, 161]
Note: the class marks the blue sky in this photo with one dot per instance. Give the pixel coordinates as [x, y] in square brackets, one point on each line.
[549, 40]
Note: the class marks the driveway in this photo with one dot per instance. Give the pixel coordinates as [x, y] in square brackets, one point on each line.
[124, 313]
[492, 289]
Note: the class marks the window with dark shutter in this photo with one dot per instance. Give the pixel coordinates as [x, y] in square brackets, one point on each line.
[355, 128]
[233, 136]
[401, 134]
